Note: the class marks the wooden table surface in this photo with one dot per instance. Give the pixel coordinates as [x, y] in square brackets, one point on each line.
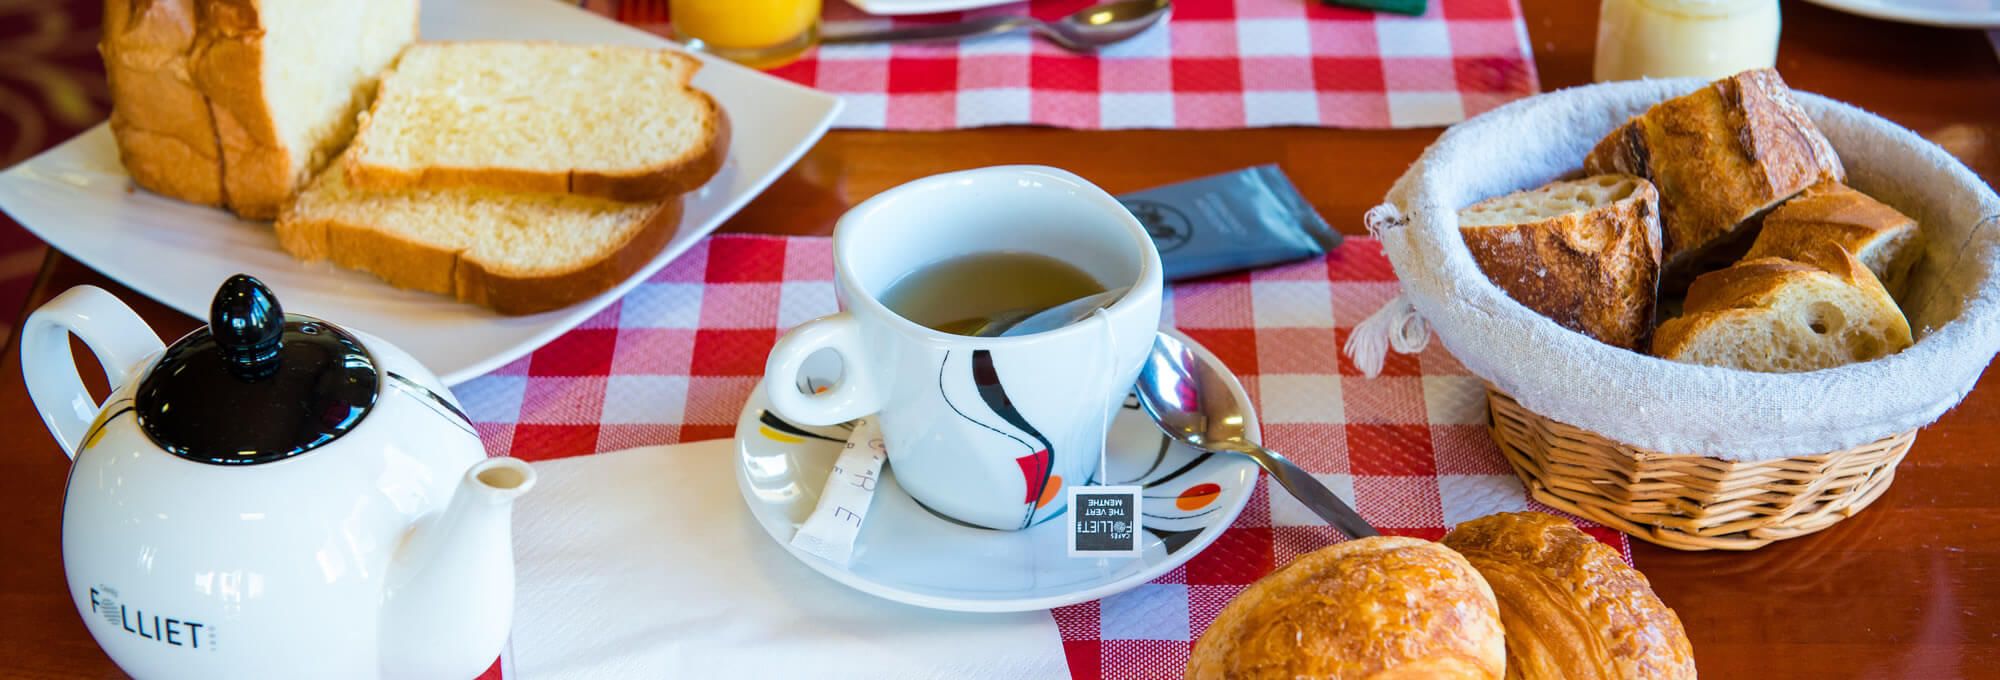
[1910, 588]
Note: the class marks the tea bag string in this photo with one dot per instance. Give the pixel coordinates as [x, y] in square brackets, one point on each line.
[1118, 399]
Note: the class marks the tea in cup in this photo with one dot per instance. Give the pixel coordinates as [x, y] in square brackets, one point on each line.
[987, 431]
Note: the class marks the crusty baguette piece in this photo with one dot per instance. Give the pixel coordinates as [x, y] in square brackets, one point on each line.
[613, 122]
[1571, 607]
[1585, 253]
[166, 136]
[1778, 316]
[281, 82]
[1720, 156]
[1886, 241]
[517, 253]
[1381, 607]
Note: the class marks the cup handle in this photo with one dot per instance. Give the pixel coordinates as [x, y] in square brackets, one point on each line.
[855, 396]
[119, 338]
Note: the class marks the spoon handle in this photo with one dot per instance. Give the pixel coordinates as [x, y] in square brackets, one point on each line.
[1303, 486]
[966, 29]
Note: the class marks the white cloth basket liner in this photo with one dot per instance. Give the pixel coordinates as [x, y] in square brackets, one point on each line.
[1953, 301]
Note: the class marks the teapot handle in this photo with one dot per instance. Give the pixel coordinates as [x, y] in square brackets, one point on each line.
[119, 338]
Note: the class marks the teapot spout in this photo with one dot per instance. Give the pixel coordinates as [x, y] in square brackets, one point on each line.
[450, 600]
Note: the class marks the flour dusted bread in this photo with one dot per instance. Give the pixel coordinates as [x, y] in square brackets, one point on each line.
[1778, 315]
[1719, 156]
[612, 122]
[1585, 253]
[1572, 609]
[518, 253]
[1380, 608]
[1884, 240]
[237, 103]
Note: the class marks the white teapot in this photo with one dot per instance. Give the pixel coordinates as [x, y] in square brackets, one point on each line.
[272, 496]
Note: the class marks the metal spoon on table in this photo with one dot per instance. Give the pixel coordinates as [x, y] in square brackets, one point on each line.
[1192, 401]
[1085, 30]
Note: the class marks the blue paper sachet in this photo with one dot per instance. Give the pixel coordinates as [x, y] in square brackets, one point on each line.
[1238, 220]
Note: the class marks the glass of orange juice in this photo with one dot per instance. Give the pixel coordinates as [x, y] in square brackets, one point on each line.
[755, 33]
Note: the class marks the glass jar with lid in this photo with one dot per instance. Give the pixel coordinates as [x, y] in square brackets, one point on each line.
[1685, 38]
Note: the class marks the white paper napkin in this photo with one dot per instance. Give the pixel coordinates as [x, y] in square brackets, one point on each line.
[645, 564]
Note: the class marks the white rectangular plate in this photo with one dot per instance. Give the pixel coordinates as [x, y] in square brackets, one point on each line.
[78, 199]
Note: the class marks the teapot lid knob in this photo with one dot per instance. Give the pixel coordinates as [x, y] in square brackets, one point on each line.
[256, 385]
[249, 326]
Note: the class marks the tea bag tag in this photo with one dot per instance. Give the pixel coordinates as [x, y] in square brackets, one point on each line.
[830, 531]
[1104, 521]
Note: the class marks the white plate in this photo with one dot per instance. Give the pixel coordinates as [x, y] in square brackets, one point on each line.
[907, 554]
[1949, 13]
[897, 7]
[78, 198]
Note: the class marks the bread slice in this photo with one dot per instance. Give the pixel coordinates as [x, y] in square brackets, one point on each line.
[613, 122]
[1720, 156]
[514, 252]
[1884, 240]
[1585, 253]
[1778, 316]
[239, 102]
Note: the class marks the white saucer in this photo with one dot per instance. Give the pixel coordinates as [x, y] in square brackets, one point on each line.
[1946, 13]
[907, 554]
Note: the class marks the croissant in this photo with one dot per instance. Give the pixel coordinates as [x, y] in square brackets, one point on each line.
[1571, 607]
[1376, 608]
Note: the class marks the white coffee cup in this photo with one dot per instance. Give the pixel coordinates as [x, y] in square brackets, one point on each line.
[986, 431]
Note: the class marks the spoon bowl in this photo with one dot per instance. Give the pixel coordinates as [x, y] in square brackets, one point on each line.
[1192, 401]
[1082, 31]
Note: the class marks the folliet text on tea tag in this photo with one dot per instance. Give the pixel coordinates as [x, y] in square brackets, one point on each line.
[1104, 521]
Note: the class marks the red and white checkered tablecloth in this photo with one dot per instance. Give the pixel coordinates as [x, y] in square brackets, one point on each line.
[1215, 64]
[676, 359]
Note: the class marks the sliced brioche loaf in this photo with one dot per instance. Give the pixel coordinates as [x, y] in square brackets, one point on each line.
[518, 253]
[166, 136]
[1720, 156]
[1777, 315]
[1584, 253]
[612, 122]
[239, 102]
[1886, 241]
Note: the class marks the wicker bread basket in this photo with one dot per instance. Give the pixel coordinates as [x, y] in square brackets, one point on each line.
[1685, 501]
[1686, 456]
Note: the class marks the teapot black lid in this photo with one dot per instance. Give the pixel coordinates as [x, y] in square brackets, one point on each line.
[256, 385]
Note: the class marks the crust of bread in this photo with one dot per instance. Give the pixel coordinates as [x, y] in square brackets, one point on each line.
[1570, 605]
[228, 68]
[1750, 282]
[671, 177]
[1595, 272]
[1749, 287]
[1720, 156]
[166, 136]
[1382, 607]
[1885, 240]
[421, 266]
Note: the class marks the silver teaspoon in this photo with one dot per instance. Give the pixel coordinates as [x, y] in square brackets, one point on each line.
[1191, 400]
[1087, 29]
[1029, 320]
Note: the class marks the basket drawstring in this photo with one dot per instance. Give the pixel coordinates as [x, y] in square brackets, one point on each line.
[1396, 325]
[1383, 218]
